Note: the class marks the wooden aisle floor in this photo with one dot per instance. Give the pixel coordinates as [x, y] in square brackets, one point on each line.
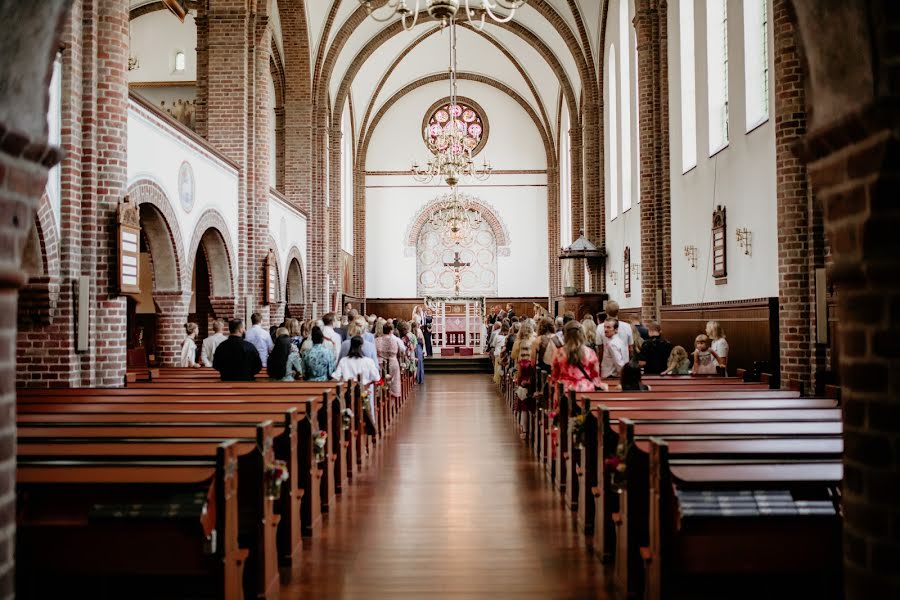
[453, 507]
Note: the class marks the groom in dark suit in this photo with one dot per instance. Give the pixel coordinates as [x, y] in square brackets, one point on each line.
[426, 330]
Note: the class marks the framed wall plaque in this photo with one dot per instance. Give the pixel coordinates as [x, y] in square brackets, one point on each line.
[271, 291]
[128, 242]
[626, 272]
[719, 252]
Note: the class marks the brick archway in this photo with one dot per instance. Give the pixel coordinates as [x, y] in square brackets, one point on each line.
[279, 272]
[488, 212]
[212, 231]
[159, 225]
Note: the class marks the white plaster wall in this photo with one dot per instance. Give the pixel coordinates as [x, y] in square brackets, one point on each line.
[625, 230]
[287, 226]
[155, 38]
[273, 163]
[156, 151]
[521, 204]
[740, 177]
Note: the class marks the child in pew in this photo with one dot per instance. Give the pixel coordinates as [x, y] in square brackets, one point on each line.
[718, 345]
[189, 347]
[705, 360]
[630, 379]
[679, 363]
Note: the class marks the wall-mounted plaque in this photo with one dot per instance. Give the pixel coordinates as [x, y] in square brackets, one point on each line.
[720, 269]
[626, 272]
[271, 292]
[186, 186]
[128, 235]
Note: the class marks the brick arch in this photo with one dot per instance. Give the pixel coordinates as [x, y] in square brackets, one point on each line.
[48, 236]
[294, 277]
[134, 13]
[488, 212]
[272, 246]
[545, 136]
[159, 225]
[212, 231]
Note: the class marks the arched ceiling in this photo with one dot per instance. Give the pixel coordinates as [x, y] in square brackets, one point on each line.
[540, 56]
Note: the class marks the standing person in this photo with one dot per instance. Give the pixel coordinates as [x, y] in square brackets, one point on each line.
[546, 333]
[615, 352]
[498, 344]
[420, 353]
[705, 360]
[260, 338]
[189, 347]
[237, 359]
[426, 330]
[368, 348]
[719, 345]
[625, 332]
[390, 350]
[590, 332]
[358, 367]
[330, 334]
[575, 365]
[295, 331]
[208, 349]
[284, 359]
[319, 361]
[655, 350]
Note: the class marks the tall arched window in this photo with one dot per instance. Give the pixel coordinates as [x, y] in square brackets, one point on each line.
[756, 61]
[717, 68]
[688, 87]
[613, 147]
[637, 125]
[565, 179]
[625, 90]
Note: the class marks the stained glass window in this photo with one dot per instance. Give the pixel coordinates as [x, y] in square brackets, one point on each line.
[470, 124]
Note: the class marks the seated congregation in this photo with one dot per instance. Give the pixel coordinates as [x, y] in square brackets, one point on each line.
[226, 462]
[686, 475]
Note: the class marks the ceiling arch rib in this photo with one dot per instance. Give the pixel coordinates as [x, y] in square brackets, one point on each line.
[366, 135]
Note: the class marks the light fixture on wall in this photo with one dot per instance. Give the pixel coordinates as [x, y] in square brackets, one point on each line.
[614, 277]
[636, 270]
[133, 63]
[452, 158]
[690, 252]
[745, 240]
[446, 11]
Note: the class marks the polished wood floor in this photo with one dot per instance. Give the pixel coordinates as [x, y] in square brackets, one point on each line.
[453, 507]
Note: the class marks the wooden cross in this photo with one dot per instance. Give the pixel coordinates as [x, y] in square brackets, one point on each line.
[456, 265]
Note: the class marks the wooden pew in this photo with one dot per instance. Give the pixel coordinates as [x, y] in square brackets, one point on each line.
[688, 544]
[257, 521]
[631, 520]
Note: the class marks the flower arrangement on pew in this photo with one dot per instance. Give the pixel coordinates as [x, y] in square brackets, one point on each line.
[366, 402]
[319, 445]
[617, 467]
[346, 419]
[276, 474]
[576, 425]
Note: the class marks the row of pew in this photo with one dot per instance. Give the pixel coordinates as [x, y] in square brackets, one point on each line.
[698, 484]
[173, 487]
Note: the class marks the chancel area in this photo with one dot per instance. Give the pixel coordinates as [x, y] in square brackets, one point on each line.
[449, 299]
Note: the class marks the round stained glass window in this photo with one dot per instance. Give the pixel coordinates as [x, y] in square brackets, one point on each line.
[466, 117]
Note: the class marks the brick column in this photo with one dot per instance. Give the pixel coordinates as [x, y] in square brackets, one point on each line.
[655, 205]
[553, 237]
[794, 233]
[335, 224]
[257, 238]
[170, 332]
[359, 232]
[594, 206]
[577, 183]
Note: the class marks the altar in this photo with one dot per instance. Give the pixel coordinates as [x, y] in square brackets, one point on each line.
[457, 323]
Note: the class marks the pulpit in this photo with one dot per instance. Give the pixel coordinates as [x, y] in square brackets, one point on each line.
[580, 304]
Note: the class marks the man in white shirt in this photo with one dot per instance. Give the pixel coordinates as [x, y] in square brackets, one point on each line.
[624, 330]
[259, 337]
[208, 351]
[330, 334]
[615, 353]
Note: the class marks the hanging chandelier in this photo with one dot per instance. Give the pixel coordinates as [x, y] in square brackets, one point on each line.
[458, 215]
[475, 11]
[451, 154]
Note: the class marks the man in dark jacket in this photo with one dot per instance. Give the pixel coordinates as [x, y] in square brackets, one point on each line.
[655, 351]
[237, 359]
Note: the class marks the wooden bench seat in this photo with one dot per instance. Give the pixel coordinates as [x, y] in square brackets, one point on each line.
[258, 522]
[201, 546]
[688, 549]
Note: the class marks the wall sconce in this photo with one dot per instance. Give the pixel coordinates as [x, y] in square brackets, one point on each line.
[690, 252]
[614, 277]
[745, 240]
[636, 270]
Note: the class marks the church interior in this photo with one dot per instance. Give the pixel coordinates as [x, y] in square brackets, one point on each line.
[453, 186]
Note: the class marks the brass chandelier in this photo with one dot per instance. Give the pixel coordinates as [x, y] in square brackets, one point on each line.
[452, 158]
[446, 11]
[458, 215]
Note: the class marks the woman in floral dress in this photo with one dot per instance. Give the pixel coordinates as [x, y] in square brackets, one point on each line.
[390, 350]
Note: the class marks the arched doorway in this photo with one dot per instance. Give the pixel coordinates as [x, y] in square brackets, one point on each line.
[294, 288]
[211, 283]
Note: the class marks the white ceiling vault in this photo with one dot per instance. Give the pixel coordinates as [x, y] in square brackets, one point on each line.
[541, 55]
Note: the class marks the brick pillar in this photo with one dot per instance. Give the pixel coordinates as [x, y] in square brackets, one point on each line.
[794, 232]
[576, 155]
[553, 237]
[594, 206]
[257, 238]
[359, 233]
[336, 210]
[655, 205]
[170, 332]
[279, 148]
[319, 268]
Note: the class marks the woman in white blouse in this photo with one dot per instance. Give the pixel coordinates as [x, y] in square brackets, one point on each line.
[719, 345]
[189, 347]
[355, 366]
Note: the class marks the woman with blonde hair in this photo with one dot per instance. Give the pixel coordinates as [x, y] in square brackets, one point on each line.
[718, 345]
[590, 332]
[189, 347]
[679, 363]
[575, 365]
